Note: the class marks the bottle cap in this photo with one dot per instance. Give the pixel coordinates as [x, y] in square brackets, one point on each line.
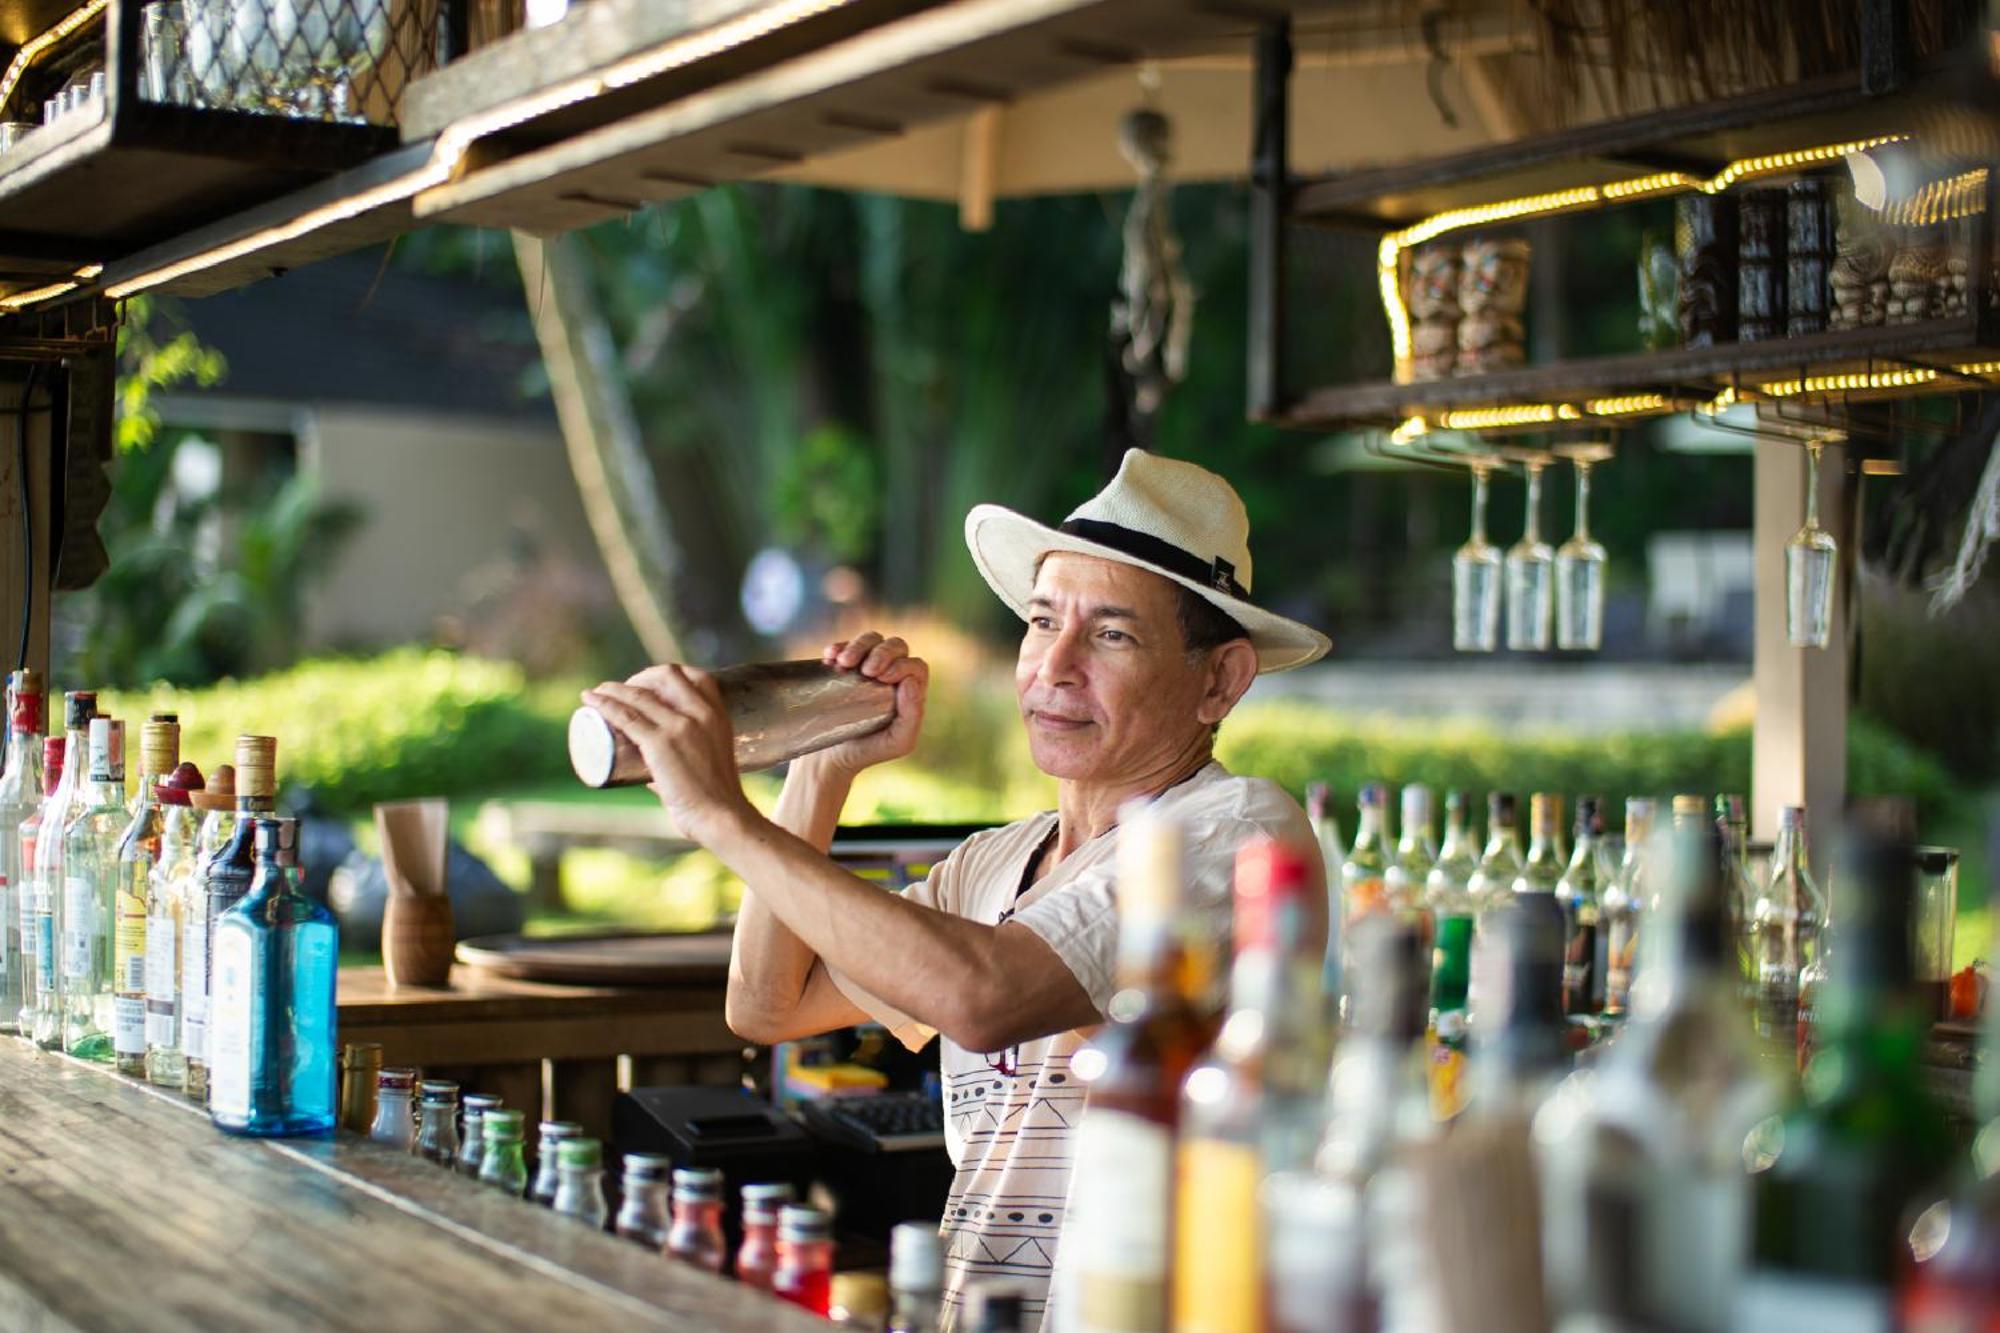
[1500, 807]
[555, 1131]
[438, 1090]
[1527, 935]
[697, 1184]
[159, 748]
[479, 1103]
[1416, 806]
[580, 1154]
[79, 706]
[396, 1080]
[277, 836]
[1689, 807]
[502, 1124]
[24, 702]
[1318, 798]
[1374, 794]
[361, 1055]
[179, 786]
[916, 1257]
[219, 792]
[1391, 995]
[1545, 811]
[859, 1298]
[1269, 876]
[1149, 865]
[1458, 801]
[1792, 817]
[799, 1222]
[768, 1195]
[647, 1166]
[107, 749]
[1589, 815]
[257, 765]
[1731, 808]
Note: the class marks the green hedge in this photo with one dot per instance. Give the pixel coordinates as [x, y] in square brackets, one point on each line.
[357, 731]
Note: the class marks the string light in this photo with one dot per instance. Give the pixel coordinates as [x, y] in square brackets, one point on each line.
[1499, 418]
[1411, 428]
[32, 49]
[21, 300]
[1954, 197]
[1629, 405]
[1858, 382]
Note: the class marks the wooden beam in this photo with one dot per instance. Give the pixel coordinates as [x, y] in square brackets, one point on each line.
[979, 163]
[1270, 202]
[1798, 753]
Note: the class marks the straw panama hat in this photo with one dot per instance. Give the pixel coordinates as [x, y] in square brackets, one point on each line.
[1174, 518]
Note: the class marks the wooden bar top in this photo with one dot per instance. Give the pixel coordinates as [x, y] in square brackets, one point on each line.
[122, 1210]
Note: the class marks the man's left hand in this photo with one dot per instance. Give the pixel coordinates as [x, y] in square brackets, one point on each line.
[674, 715]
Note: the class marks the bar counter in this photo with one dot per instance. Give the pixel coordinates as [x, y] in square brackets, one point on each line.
[122, 1208]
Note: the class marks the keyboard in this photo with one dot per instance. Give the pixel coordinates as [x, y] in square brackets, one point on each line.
[878, 1122]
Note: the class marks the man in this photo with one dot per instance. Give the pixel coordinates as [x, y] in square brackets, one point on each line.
[1140, 638]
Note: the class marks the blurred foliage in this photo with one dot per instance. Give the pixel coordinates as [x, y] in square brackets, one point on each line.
[1933, 679]
[155, 353]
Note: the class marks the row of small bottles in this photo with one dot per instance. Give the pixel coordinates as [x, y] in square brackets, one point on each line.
[786, 1247]
[1774, 926]
[165, 933]
[1234, 1179]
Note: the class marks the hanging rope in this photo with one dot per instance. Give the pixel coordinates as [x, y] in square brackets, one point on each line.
[1982, 530]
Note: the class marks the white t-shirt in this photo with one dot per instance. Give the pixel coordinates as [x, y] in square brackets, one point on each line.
[1009, 1137]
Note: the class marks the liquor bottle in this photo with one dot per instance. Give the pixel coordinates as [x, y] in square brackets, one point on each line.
[1645, 1197]
[1250, 1091]
[1841, 1178]
[1328, 1226]
[472, 1141]
[550, 1133]
[804, 1273]
[228, 863]
[1732, 815]
[1624, 905]
[500, 1162]
[132, 896]
[1492, 882]
[79, 707]
[1333, 855]
[38, 957]
[916, 1278]
[757, 1256]
[1786, 926]
[20, 795]
[437, 1121]
[1580, 894]
[1364, 875]
[695, 1234]
[1543, 869]
[395, 1124]
[580, 1183]
[1448, 895]
[272, 1046]
[995, 1305]
[1409, 874]
[166, 912]
[1121, 1185]
[1520, 1041]
[642, 1204]
[90, 888]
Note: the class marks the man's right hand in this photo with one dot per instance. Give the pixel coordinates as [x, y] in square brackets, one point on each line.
[889, 661]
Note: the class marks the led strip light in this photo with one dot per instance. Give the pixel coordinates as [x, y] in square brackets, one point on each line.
[32, 50]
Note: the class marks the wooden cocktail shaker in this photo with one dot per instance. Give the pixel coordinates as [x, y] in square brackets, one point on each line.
[779, 710]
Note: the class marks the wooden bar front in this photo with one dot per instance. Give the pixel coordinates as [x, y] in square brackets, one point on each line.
[122, 1210]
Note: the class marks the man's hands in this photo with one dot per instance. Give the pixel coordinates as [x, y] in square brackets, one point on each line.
[889, 661]
[674, 714]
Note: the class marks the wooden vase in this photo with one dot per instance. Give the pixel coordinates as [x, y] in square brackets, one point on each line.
[417, 939]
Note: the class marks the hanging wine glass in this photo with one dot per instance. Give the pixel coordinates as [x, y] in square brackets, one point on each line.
[1580, 563]
[1809, 562]
[1530, 575]
[1475, 578]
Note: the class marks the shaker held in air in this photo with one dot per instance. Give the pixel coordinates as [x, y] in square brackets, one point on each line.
[778, 710]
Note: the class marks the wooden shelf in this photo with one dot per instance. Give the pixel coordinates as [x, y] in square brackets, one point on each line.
[1684, 374]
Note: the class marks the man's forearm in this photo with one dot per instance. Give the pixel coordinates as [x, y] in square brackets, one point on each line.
[768, 963]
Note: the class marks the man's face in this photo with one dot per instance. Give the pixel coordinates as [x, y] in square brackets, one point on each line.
[1106, 686]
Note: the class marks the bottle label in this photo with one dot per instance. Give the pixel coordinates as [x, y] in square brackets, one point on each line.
[237, 1002]
[45, 957]
[1446, 1048]
[79, 927]
[1580, 969]
[128, 1025]
[1218, 1241]
[1122, 1187]
[128, 952]
[161, 955]
[194, 986]
[1366, 897]
[1797, 1303]
[1618, 958]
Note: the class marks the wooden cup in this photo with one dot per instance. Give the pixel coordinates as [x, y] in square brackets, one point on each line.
[417, 939]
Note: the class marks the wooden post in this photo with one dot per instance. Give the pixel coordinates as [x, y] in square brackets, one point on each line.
[1270, 198]
[22, 590]
[1798, 752]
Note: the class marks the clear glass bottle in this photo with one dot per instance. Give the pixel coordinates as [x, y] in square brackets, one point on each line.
[79, 707]
[395, 1117]
[580, 1182]
[1732, 815]
[1333, 854]
[1448, 886]
[694, 1236]
[642, 1206]
[472, 1143]
[1543, 869]
[1642, 1159]
[437, 1121]
[501, 1164]
[549, 1134]
[1623, 907]
[916, 1278]
[1416, 852]
[20, 795]
[1364, 874]
[1789, 916]
[1580, 893]
[215, 812]
[1251, 1087]
[132, 898]
[804, 1272]
[1492, 882]
[757, 1256]
[224, 874]
[38, 946]
[90, 887]
[165, 918]
[1520, 1038]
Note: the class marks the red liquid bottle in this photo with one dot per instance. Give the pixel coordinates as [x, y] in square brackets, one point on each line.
[757, 1256]
[695, 1236]
[804, 1274]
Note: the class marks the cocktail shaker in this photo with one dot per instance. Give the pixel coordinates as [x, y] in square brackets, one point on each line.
[779, 711]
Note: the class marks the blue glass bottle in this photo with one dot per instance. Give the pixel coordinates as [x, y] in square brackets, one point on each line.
[271, 1037]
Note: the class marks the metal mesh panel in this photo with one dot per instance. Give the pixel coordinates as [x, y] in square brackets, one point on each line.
[1334, 330]
[334, 60]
